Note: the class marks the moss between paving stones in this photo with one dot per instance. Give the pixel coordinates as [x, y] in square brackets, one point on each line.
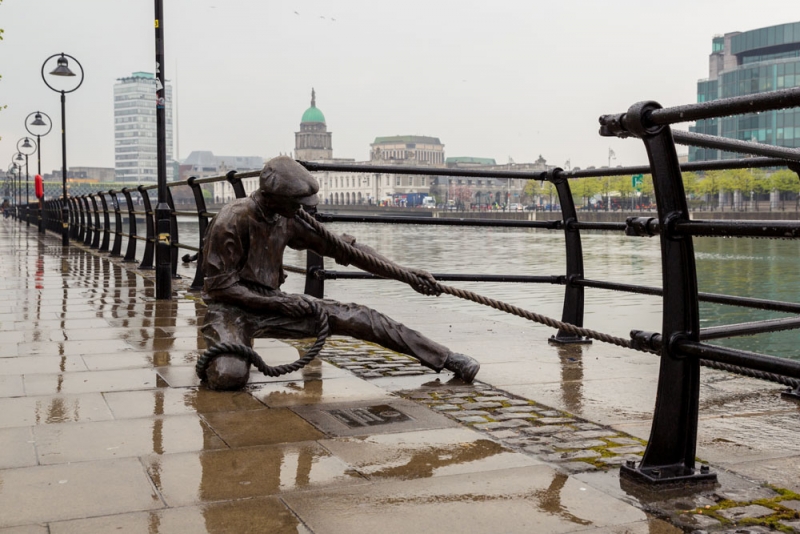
[771, 521]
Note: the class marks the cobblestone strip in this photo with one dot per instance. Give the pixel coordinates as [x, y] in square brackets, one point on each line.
[521, 424]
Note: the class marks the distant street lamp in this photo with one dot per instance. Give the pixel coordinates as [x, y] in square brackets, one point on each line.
[62, 70]
[26, 147]
[39, 127]
[162, 212]
[17, 160]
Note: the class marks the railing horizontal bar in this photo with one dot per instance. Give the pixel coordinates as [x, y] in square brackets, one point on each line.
[139, 212]
[427, 171]
[782, 229]
[751, 328]
[741, 358]
[608, 226]
[744, 302]
[293, 269]
[138, 237]
[360, 275]
[717, 165]
[613, 286]
[735, 145]
[749, 302]
[190, 213]
[187, 247]
[210, 180]
[445, 221]
[785, 98]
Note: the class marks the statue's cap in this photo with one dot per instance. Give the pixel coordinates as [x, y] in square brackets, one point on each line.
[283, 176]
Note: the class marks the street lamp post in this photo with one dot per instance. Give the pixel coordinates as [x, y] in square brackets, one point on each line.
[163, 250]
[42, 128]
[18, 159]
[26, 148]
[12, 169]
[62, 70]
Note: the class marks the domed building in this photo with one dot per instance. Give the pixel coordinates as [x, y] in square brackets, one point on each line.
[313, 141]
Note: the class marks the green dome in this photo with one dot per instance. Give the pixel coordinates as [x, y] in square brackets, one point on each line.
[313, 114]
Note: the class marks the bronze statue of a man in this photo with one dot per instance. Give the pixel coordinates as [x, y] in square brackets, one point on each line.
[243, 266]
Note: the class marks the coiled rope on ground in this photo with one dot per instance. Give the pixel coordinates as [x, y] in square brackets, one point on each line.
[404, 275]
[252, 356]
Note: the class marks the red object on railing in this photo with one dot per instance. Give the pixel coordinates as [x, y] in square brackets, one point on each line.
[39, 186]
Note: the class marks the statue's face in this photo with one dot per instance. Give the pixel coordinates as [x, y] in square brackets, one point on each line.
[285, 206]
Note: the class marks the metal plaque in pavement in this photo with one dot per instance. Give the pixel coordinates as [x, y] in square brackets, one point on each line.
[381, 414]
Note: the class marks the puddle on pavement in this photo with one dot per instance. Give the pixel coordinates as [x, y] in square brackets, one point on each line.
[423, 454]
[261, 427]
[169, 401]
[229, 474]
[117, 439]
[29, 411]
[249, 515]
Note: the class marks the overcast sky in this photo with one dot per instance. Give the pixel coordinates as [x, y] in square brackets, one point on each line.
[492, 79]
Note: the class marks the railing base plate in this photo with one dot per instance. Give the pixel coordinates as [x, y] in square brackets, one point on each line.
[668, 478]
[569, 340]
[791, 394]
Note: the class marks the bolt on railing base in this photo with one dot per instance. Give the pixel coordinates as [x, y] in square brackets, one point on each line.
[569, 339]
[791, 394]
[667, 478]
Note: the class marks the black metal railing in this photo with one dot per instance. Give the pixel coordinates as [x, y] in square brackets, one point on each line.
[670, 454]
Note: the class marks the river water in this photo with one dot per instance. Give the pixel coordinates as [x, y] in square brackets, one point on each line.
[763, 268]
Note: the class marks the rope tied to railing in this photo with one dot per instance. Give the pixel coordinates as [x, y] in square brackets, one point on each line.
[404, 275]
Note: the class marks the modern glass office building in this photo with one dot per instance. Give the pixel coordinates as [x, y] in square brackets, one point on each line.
[135, 149]
[744, 63]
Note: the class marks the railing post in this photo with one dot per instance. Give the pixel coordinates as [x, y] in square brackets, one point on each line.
[202, 221]
[76, 216]
[572, 312]
[150, 227]
[173, 235]
[84, 201]
[130, 253]
[42, 214]
[314, 286]
[236, 183]
[96, 240]
[106, 223]
[116, 249]
[670, 454]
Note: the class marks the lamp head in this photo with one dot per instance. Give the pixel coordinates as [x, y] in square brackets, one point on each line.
[27, 143]
[62, 68]
[19, 157]
[37, 120]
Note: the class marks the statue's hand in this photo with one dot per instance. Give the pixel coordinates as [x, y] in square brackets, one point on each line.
[427, 285]
[295, 306]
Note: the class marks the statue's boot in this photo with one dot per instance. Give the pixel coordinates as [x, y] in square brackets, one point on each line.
[465, 367]
[227, 372]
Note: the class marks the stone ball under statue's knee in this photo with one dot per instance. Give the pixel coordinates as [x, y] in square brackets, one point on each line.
[227, 373]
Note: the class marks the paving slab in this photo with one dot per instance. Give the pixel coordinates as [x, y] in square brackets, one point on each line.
[297, 393]
[90, 381]
[169, 401]
[58, 492]
[261, 427]
[53, 409]
[247, 516]
[80, 442]
[17, 448]
[422, 454]
[230, 474]
[538, 498]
